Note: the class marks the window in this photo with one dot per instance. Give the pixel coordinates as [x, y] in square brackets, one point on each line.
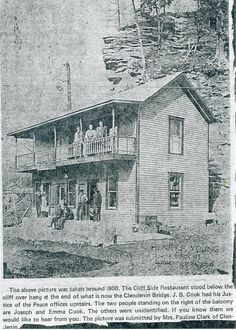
[175, 190]
[72, 192]
[176, 134]
[112, 183]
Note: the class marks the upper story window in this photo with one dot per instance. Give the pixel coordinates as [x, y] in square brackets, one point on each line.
[176, 135]
[112, 192]
[175, 190]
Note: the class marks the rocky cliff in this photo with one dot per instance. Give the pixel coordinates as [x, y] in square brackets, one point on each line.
[181, 50]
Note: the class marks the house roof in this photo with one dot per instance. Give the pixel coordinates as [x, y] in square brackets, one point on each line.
[138, 94]
[142, 92]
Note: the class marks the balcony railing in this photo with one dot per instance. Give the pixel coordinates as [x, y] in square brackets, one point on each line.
[44, 157]
[25, 160]
[97, 147]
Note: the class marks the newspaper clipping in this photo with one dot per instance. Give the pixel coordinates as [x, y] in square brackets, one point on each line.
[118, 173]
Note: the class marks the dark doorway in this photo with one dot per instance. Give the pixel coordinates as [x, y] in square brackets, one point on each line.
[37, 189]
[91, 186]
[61, 194]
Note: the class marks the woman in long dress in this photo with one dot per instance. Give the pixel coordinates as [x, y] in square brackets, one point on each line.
[44, 205]
[77, 143]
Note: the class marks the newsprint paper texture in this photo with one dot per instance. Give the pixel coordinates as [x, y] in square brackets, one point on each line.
[117, 164]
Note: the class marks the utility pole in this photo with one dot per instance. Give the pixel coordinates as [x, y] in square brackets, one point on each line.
[118, 13]
[68, 80]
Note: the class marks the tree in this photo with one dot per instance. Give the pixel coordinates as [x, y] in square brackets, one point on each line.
[213, 15]
[234, 32]
[144, 66]
[118, 13]
[151, 9]
[164, 4]
[147, 6]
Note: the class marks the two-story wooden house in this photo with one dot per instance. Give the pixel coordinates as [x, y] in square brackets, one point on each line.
[152, 163]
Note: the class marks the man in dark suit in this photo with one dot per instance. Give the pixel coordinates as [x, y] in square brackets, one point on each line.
[67, 215]
[97, 204]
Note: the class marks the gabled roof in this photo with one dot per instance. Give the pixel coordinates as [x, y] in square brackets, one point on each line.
[143, 92]
[136, 95]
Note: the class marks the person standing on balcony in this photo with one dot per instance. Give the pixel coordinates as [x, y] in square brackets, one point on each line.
[113, 139]
[82, 200]
[97, 204]
[77, 143]
[113, 131]
[38, 202]
[90, 136]
[101, 130]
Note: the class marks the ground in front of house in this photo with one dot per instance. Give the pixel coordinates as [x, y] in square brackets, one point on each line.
[190, 250]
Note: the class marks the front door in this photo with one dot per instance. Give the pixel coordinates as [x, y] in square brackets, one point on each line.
[61, 194]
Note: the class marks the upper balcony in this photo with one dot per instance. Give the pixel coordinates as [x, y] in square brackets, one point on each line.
[100, 149]
[103, 133]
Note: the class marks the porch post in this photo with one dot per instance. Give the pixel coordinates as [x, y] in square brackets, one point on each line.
[55, 142]
[16, 151]
[113, 117]
[81, 124]
[113, 128]
[34, 147]
[66, 192]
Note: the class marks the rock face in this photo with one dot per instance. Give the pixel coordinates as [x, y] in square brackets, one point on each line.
[122, 52]
[180, 50]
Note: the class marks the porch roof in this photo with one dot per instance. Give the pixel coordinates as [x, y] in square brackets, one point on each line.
[136, 95]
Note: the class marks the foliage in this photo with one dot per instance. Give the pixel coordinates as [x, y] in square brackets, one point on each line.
[213, 15]
[152, 8]
[211, 18]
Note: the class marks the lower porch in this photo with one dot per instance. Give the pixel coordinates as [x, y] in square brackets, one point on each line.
[86, 233]
[74, 232]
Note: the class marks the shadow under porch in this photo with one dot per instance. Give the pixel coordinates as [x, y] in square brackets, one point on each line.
[116, 181]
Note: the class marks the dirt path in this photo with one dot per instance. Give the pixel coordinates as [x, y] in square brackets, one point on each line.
[192, 250]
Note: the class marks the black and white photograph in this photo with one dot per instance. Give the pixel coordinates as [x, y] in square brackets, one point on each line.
[116, 138]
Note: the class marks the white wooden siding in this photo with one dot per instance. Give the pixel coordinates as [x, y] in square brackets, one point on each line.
[156, 162]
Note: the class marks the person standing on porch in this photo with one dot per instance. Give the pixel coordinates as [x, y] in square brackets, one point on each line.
[82, 200]
[97, 204]
[38, 203]
[44, 205]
